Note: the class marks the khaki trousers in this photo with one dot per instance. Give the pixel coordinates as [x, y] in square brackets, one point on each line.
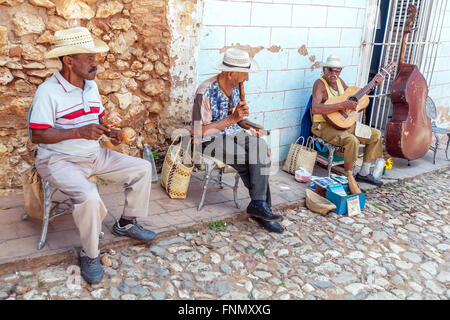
[70, 174]
[350, 142]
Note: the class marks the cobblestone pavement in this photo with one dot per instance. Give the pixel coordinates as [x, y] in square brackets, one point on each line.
[397, 248]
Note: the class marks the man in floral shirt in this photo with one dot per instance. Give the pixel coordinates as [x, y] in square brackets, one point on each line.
[221, 137]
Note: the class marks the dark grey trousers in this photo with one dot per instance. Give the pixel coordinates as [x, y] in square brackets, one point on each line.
[249, 156]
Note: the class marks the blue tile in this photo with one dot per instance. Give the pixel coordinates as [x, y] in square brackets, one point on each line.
[257, 82]
[444, 50]
[346, 54]
[442, 63]
[289, 135]
[361, 18]
[356, 3]
[342, 17]
[268, 60]
[289, 37]
[206, 61]
[441, 77]
[298, 61]
[349, 74]
[309, 16]
[351, 37]
[333, 2]
[285, 80]
[202, 78]
[252, 36]
[311, 76]
[226, 13]
[282, 118]
[267, 101]
[212, 37]
[293, 1]
[257, 118]
[297, 98]
[356, 53]
[324, 37]
[271, 14]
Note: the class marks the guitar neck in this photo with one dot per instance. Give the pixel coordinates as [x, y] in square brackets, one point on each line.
[366, 89]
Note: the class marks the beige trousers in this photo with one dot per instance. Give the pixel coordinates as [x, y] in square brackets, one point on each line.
[70, 174]
[350, 142]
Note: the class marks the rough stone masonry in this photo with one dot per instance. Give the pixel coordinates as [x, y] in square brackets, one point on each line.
[134, 77]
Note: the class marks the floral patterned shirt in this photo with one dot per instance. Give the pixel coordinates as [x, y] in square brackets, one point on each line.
[211, 104]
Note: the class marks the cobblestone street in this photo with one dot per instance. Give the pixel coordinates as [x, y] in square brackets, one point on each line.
[397, 248]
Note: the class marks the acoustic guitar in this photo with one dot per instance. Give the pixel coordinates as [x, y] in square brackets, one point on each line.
[344, 119]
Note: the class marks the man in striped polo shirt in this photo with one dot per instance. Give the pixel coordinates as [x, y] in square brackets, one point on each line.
[66, 123]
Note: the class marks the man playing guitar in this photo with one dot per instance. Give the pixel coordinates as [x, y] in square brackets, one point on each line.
[331, 85]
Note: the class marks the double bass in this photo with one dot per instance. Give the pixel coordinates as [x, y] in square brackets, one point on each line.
[408, 134]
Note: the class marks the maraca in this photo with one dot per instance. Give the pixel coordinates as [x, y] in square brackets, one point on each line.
[112, 120]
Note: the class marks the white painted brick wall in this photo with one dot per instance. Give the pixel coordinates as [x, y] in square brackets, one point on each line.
[278, 94]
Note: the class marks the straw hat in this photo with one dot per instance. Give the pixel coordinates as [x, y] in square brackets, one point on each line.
[75, 40]
[236, 60]
[333, 62]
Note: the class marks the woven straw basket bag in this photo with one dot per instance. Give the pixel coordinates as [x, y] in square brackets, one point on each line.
[177, 170]
[301, 155]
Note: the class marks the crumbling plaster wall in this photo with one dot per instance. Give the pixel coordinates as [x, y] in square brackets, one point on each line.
[185, 19]
[145, 76]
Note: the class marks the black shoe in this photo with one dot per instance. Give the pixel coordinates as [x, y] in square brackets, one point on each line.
[91, 269]
[133, 230]
[270, 226]
[263, 211]
[368, 179]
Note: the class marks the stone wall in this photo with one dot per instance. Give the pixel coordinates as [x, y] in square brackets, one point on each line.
[134, 77]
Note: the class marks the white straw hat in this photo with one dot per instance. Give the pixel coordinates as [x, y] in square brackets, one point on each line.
[236, 60]
[75, 40]
[333, 62]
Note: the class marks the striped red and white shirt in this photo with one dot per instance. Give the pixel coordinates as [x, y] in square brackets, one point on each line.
[59, 104]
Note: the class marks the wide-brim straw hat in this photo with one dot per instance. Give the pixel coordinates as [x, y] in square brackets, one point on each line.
[75, 40]
[333, 62]
[236, 60]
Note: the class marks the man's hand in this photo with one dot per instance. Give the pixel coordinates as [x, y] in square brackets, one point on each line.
[113, 136]
[240, 112]
[379, 81]
[92, 131]
[349, 105]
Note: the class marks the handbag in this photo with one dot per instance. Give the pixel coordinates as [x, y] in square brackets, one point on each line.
[301, 155]
[177, 169]
[33, 193]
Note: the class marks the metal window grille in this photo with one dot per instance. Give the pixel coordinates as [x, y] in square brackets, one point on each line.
[421, 48]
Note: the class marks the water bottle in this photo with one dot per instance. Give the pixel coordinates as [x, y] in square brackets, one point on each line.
[148, 155]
